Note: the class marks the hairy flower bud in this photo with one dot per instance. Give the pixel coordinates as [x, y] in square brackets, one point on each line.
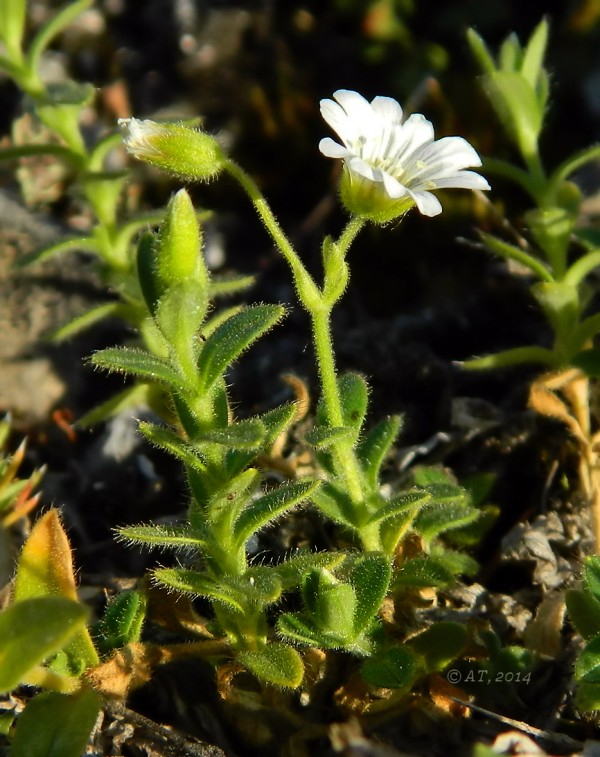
[179, 149]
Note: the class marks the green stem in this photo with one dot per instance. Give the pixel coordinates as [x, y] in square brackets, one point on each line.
[354, 225]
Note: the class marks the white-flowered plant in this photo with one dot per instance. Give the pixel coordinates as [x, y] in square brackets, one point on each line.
[390, 167]
[392, 163]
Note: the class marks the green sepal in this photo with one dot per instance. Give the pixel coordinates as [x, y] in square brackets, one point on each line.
[260, 512]
[231, 338]
[171, 442]
[122, 621]
[33, 630]
[146, 264]
[584, 612]
[423, 572]
[587, 667]
[374, 448]
[332, 604]
[167, 537]
[533, 56]
[276, 663]
[179, 315]
[439, 644]
[138, 363]
[393, 668]
[56, 725]
[323, 437]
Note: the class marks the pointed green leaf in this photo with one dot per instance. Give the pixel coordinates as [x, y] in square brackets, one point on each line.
[230, 500]
[231, 338]
[247, 434]
[370, 578]
[293, 627]
[277, 664]
[52, 29]
[87, 320]
[395, 668]
[373, 449]
[423, 572]
[226, 285]
[171, 442]
[591, 574]
[278, 420]
[510, 55]
[33, 630]
[480, 52]
[198, 585]
[121, 622]
[169, 537]
[587, 667]
[408, 502]
[56, 725]
[533, 59]
[333, 504]
[134, 396]
[293, 570]
[584, 612]
[265, 509]
[262, 588]
[87, 244]
[515, 102]
[323, 437]
[137, 363]
[440, 644]
[179, 315]
[458, 563]
[587, 698]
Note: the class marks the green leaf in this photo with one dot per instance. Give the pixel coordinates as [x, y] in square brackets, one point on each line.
[373, 449]
[12, 25]
[458, 563]
[395, 668]
[293, 570]
[510, 252]
[332, 605]
[231, 338]
[138, 363]
[179, 315]
[404, 503]
[439, 644]
[169, 537]
[199, 585]
[33, 630]
[447, 511]
[134, 396]
[591, 574]
[171, 442]
[247, 434]
[584, 612]
[354, 396]
[587, 667]
[533, 58]
[86, 320]
[52, 29]
[226, 285]
[588, 361]
[510, 55]
[334, 504]
[278, 420]
[293, 627]
[82, 244]
[262, 588]
[121, 622]
[423, 572]
[56, 725]
[323, 437]
[275, 663]
[516, 104]
[370, 578]
[480, 52]
[265, 509]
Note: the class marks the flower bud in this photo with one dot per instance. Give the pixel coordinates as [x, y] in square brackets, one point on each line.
[179, 149]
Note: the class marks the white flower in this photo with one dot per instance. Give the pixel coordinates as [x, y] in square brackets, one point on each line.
[393, 160]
